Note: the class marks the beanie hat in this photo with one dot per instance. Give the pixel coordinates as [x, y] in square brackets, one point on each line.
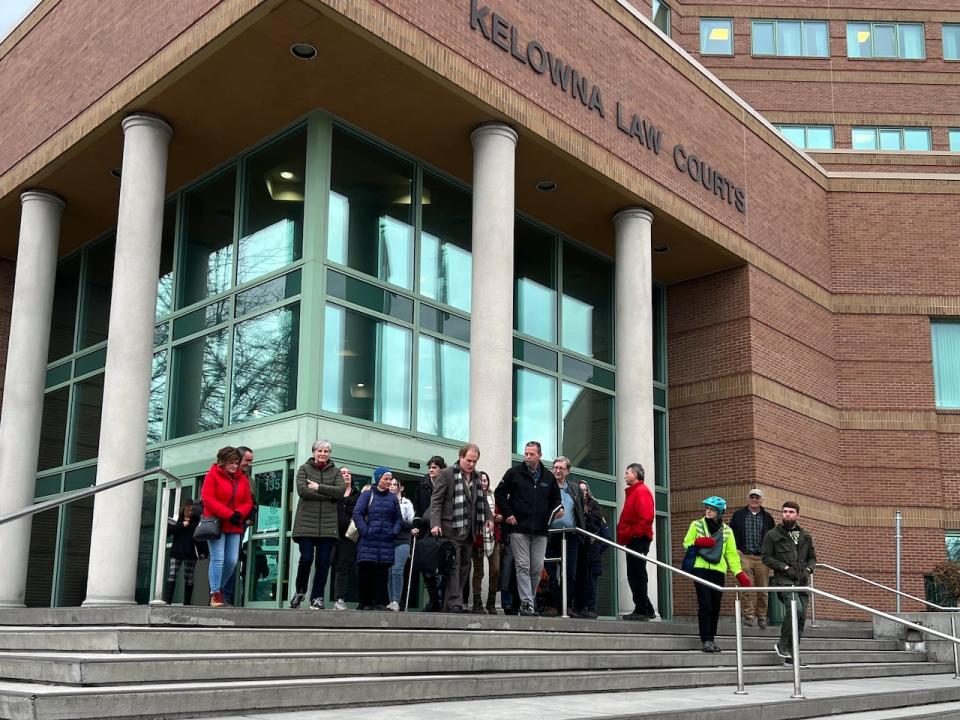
[379, 473]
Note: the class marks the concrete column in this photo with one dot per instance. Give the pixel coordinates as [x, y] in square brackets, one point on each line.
[634, 357]
[115, 538]
[491, 320]
[25, 376]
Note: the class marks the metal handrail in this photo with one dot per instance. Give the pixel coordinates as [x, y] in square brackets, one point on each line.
[793, 590]
[899, 593]
[69, 497]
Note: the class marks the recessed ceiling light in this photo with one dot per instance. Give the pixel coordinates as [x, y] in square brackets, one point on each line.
[660, 249]
[546, 186]
[115, 172]
[303, 51]
[286, 175]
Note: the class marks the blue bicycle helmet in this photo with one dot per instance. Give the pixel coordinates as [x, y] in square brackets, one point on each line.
[717, 503]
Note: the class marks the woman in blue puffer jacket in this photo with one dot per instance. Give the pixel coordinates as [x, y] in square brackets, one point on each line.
[377, 517]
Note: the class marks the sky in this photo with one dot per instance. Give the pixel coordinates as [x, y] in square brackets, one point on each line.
[12, 12]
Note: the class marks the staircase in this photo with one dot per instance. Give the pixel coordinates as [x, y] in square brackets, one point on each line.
[173, 662]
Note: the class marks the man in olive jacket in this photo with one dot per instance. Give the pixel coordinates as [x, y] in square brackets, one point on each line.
[788, 550]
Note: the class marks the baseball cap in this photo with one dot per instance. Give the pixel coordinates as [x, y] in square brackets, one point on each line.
[755, 491]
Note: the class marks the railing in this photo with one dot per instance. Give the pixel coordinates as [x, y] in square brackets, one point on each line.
[69, 497]
[797, 691]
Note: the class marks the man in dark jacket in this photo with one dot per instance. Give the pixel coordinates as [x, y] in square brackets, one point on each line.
[788, 549]
[430, 553]
[750, 524]
[526, 497]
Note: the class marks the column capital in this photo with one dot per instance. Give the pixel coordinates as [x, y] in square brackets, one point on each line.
[631, 213]
[152, 121]
[42, 196]
[494, 129]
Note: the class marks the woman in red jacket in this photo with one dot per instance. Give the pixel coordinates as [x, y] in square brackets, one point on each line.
[635, 530]
[226, 495]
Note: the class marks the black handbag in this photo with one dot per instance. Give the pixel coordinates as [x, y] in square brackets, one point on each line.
[209, 527]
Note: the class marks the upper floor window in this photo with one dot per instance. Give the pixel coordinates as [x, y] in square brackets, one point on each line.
[903, 41]
[716, 36]
[955, 140]
[945, 336]
[890, 138]
[661, 15]
[808, 137]
[791, 38]
[951, 42]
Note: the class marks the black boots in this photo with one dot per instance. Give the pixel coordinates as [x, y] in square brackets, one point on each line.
[434, 599]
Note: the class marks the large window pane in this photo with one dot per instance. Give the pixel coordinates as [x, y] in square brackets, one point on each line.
[64, 318]
[165, 279]
[946, 363]
[87, 404]
[97, 286]
[40, 566]
[794, 133]
[265, 364]
[75, 556]
[158, 398]
[661, 15]
[885, 41]
[370, 225]
[366, 367]
[587, 428]
[268, 293]
[859, 40]
[911, 42]
[272, 229]
[445, 259]
[206, 263]
[864, 138]
[789, 41]
[819, 138]
[816, 39]
[764, 38]
[916, 139]
[890, 139]
[443, 389]
[199, 384]
[659, 335]
[716, 36]
[660, 446]
[53, 428]
[587, 306]
[955, 141]
[534, 411]
[951, 42]
[369, 296]
[535, 300]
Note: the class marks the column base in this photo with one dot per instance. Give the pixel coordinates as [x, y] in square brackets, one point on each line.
[7, 605]
[108, 602]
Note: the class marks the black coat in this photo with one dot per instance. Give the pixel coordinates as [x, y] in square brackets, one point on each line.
[529, 502]
[421, 505]
[182, 544]
[738, 523]
[780, 552]
[345, 506]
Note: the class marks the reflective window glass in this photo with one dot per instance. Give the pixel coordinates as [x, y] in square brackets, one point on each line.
[165, 279]
[444, 323]
[819, 137]
[661, 15]
[56, 375]
[370, 226]
[199, 320]
[816, 39]
[859, 40]
[716, 36]
[955, 141]
[764, 39]
[268, 293]
[265, 582]
[890, 139]
[64, 318]
[90, 362]
[579, 370]
[369, 296]
[864, 138]
[161, 333]
[885, 41]
[443, 389]
[206, 262]
[793, 133]
[659, 446]
[445, 258]
[158, 397]
[534, 354]
[40, 565]
[75, 557]
[587, 305]
[87, 406]
[53, 428]
[659, 335]
[951, 42]
[366, 367]
[265, 364]
[586, 417]
[946, 363]
[916, 139]
[97, 286]
[271, 234]
[534, 411]
[789, 41]
[535, 294]
[199, 384]
[910, 41]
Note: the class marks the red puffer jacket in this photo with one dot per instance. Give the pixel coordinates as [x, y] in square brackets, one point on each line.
[636, 519]
[217, 489]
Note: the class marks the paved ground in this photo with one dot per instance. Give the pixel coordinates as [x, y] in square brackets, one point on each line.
[600, 705]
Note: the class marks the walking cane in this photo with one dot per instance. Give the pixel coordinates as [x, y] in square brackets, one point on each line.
[413, 554]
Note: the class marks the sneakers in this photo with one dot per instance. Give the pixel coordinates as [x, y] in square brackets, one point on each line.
[527, 610]
[296, 600]
[395, 606]
[710, 647]
[762, 622]
[317, 604]
[748, 621]
[788, 662]
[636, 616]
[779, 651]
[216, 599]
[340, 605]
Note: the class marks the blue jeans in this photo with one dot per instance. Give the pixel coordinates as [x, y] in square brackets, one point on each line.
[223, 558]
[400, 555]
[321, 548]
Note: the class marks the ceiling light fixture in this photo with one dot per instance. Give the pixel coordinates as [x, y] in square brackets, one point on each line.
[115, 172]
[303, 51]
[286, 175]
[660, 249]
[546, 186]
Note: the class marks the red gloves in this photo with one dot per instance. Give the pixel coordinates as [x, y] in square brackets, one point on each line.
[743, 580]
[704, 542]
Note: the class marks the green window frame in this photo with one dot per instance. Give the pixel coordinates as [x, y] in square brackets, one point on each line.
[886, 40]
[945, 345]
[808, 137]
[891, 139]
[716, 36]
[790, 38]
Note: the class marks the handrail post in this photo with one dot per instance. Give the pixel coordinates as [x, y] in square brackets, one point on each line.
[813, 605]
[795, 631]
[162, 495]
[956, 649]
[563, 574]
[736, 622]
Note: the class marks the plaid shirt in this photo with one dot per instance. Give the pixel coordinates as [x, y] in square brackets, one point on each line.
[753, 531]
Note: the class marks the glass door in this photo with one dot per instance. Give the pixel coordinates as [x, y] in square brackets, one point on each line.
[264, 554]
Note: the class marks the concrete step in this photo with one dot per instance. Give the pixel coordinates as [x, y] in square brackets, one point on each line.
[30, 701]
[172, 639]
[116, 669]
[932, 711]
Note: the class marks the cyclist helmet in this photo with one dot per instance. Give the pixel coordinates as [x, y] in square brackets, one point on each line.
[717, 503]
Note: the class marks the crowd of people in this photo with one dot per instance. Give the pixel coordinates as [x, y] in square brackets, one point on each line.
[456, 531]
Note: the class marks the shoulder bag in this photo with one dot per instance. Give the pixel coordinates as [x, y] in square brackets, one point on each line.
[209, 528]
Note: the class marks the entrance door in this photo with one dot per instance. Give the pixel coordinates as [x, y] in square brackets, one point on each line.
[264, 573]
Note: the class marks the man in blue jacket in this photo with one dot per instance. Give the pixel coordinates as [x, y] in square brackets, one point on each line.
[526, 496]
